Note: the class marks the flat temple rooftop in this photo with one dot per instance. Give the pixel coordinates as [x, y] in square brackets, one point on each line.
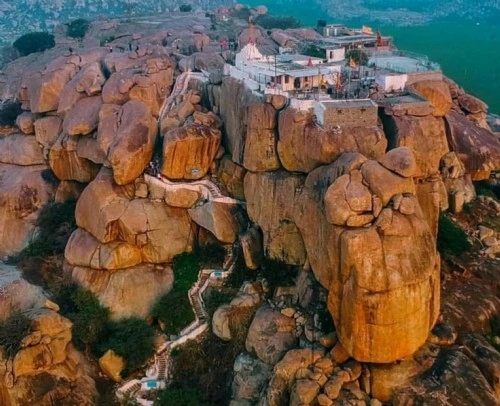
[402, 99]
[332, 104]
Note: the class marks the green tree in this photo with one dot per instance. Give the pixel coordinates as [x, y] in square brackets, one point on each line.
[34, 42]
[78, 28]
[178, 395]
[12, 331]
[282, 22]
[9, 110]
[451, 239]
[185, 8]
[83, 308]
[132, 338]
[357, 55]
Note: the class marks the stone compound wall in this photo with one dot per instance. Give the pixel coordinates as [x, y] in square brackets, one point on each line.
[346, 113]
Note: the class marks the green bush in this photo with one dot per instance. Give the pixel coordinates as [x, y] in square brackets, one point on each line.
[132, 338]
[314, 51]
[9, 110]
[186, 268]
[185, 8]
[244, 13]
[180, 395]
[83, 308]
[484, 189]
[357, 55]
[12, 331]
[55, 223]
[282, 22]
[451, 239]
[78, 28]
[174, 310]
[34, 42]
[211, 254]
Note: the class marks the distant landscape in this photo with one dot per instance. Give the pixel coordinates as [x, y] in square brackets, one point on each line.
[462, 36]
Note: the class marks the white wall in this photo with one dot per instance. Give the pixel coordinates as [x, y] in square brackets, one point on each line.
[392, 82]
[335, 55]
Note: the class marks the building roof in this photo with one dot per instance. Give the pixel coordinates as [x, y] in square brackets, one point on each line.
[346, 104]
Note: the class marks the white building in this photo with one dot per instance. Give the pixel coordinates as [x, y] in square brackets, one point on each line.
[391, 82]
[289, 72]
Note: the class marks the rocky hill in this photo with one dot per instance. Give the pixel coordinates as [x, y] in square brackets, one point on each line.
[19, 17]
[164, 153]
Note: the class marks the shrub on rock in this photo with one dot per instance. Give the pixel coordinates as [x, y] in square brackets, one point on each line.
[12, 331]
[34, 42]
[78, 28]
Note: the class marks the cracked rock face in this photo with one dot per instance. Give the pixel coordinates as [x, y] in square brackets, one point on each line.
[354, 216]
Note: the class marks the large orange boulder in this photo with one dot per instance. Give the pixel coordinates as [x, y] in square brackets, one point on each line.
[437, 93]
[127, 292]
[127, 136]
[189, 151]
[261, 139]
[87, 82]
[271, 199]
[477, 148]
[303, 145]
[23, 192]
[354, 215]
[82, 119]
[67, 165]
[424, 136]
[20, 149]
[44, 89]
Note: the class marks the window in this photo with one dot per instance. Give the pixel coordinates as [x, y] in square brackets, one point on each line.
[287, 79]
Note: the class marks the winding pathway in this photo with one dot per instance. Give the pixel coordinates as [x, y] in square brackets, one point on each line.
[158, 374]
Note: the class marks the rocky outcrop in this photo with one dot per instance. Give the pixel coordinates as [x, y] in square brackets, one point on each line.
[250, 379]
[23, 192]
[149, 84]
[112, 365]
[477, 148]
[188, 152]
[453, 380]
[83, 118]
[271, 198]
[437, 93]
[371, 210]
[20, 149]
[270, 335]
[260, 152]
[67, 164]
[234, 101]
[127, 236]
[46, 366]
[424, 136]
[127, 292]
[220, 218]
[127, 136]
[304, 146]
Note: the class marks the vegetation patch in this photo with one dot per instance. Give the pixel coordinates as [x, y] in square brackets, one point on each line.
[34, 42]
[78, 28]
[180, 395]
[12, 331]
[281, 22]
[132, 338]
[483, 188]
[357, 55]
[9, 110]
[83, 308]
[185, 8]
[451, 239]
[55, 223]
